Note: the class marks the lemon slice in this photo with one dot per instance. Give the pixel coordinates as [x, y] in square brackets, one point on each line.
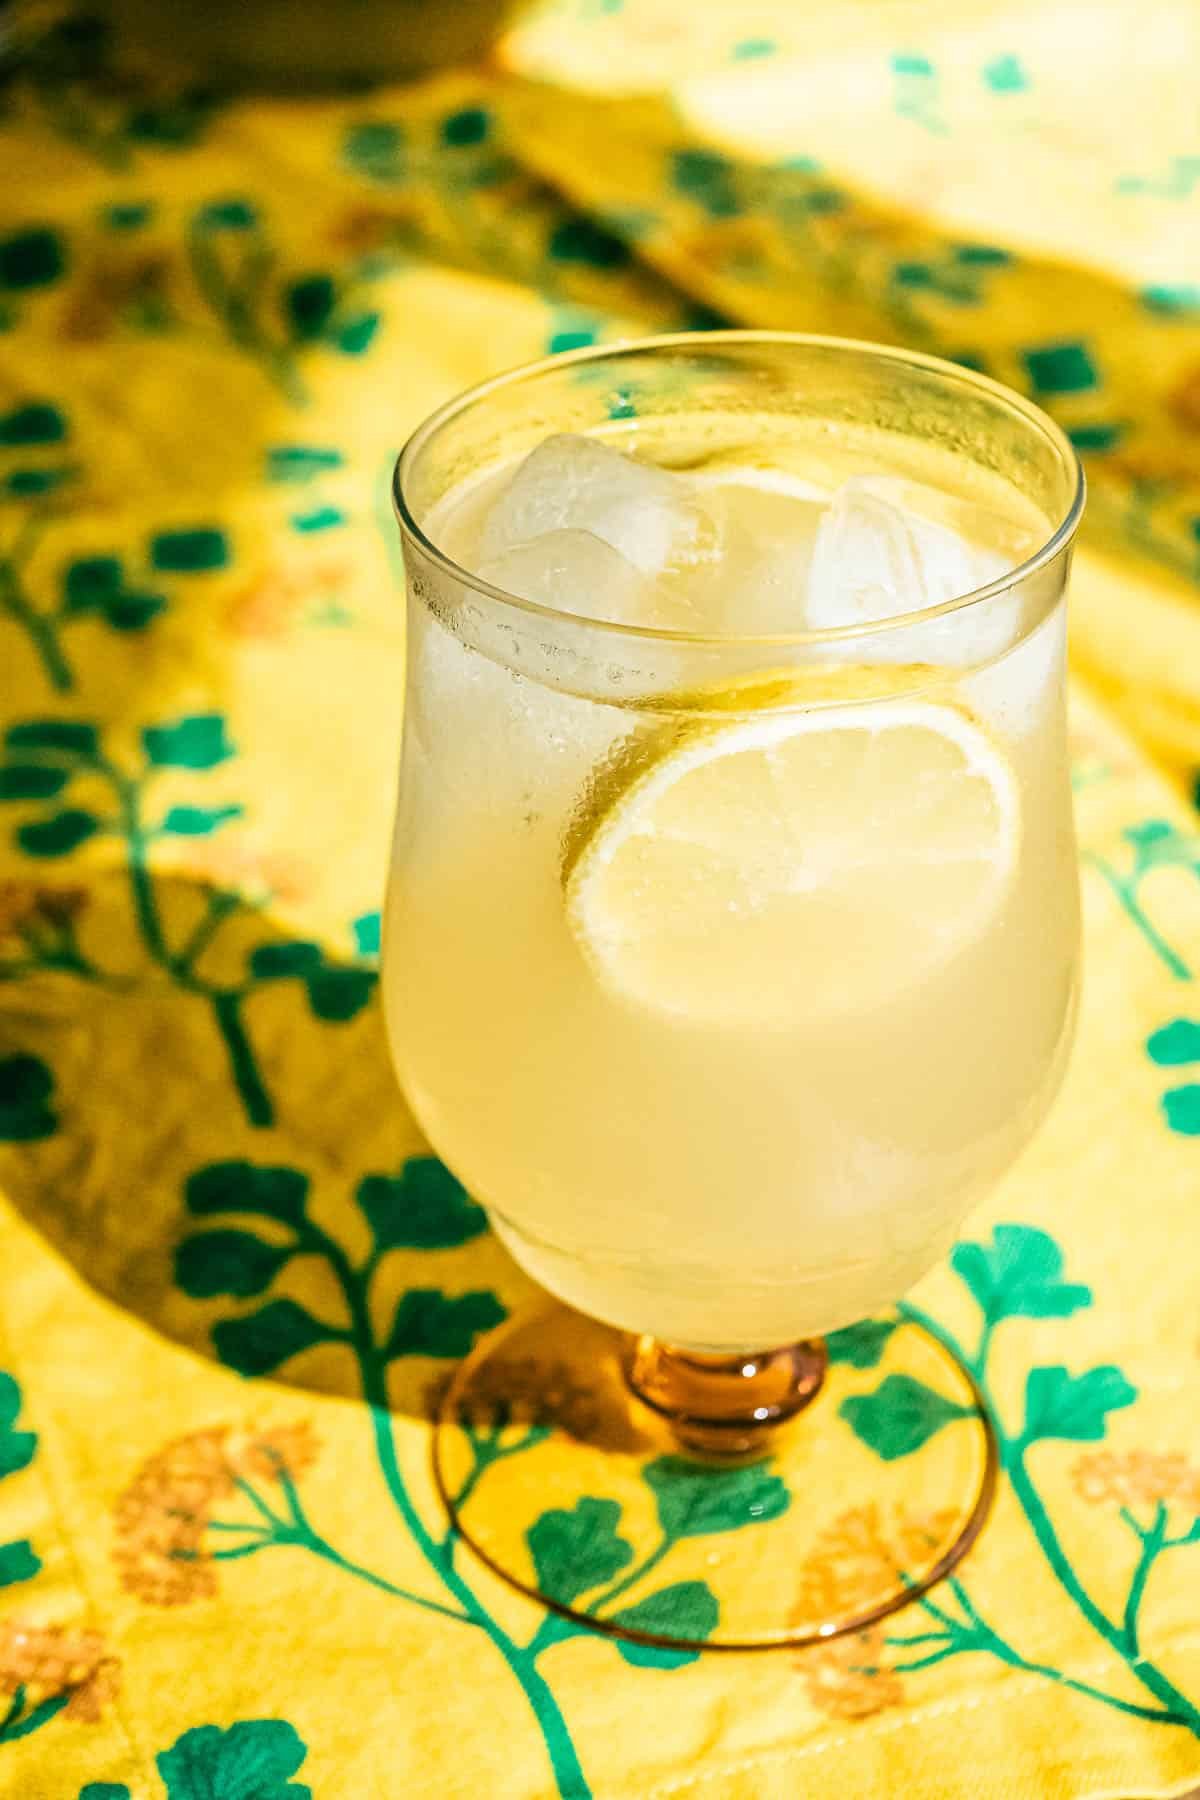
[792, 863]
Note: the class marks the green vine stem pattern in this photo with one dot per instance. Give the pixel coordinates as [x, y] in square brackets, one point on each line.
[234, 265]
[21, 1720]
[252, 1759]
[1019, 1275]
[580, 1555]
[66, 69]
[968, 1632]
[421, 1208]
[99, 588]
[292, 1529]
[29, 434]
[471, 189]
[42, 759]
[1155, 844]
[39, 923]
[576, 1552]
[32, 1657]
[42, 628]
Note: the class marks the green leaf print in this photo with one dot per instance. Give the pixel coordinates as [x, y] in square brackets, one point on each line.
[430, 1323]
[16, 1447]
[31, 259]
[70, 736]
[228, 1262]
[34, 424]
[578, 1550]
[468, 126]
[687, 1609]
[356, 334]
[1175, 1044]
[251, 1760]
[300, 462]
[337, 995]
[1075, 1407]
[900, 1416]
[1151, 837]
[422, 1208]
[133, 611]
[366, 930]
[1019, 1276]
[197, 741]
[26, 1091]
[375, 147]
[228, 215]
[31, 484]
[195, 551]
[198, 821]
[60, 834]
[89, 583]
[272, 962]
[309, 303]
[105, 1790]
[694, 1500]
[243, 1187]
[31, 781]
[1181, 1109]
[860, 1346]
[19, 1561]
[260, 1342]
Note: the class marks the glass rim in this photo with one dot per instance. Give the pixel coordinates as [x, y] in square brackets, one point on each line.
[1059, 539]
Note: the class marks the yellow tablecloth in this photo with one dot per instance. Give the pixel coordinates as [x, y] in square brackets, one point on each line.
[223, 1568]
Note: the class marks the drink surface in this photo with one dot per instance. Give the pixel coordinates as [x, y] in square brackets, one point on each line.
[727, 983]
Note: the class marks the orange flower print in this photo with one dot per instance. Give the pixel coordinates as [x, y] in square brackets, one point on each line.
[272, 605]
[847, 1678]
[1137, 1476]
[1183, 402]
[43, 1661]
[367, 228]
[116, 290]
[856, 1560]
[24, 907]
[731, 245]
[235, 863]
[856, 1556]
[163, 1515]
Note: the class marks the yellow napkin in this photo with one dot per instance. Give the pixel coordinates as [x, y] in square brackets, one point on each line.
[223, 1568]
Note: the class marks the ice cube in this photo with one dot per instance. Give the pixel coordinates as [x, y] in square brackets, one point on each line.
[577, 483]
[767, 535]
[576, 572]
[876, 558]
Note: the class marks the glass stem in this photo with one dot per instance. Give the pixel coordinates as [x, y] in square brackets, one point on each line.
[726, 1407]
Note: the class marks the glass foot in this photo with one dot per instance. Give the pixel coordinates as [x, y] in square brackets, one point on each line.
[683, 1502]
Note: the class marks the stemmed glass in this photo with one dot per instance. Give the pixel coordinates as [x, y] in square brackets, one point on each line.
[728, 970]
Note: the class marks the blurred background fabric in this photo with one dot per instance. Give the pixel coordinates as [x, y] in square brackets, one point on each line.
[243, 251]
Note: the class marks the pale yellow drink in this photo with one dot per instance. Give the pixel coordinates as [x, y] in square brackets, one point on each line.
[727, 984]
